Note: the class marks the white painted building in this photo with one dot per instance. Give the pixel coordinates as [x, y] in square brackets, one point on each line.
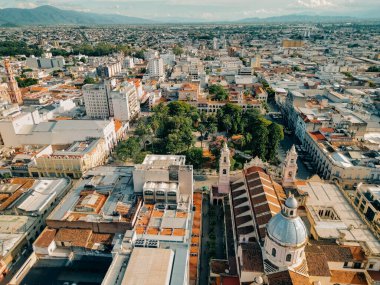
[23, 129]
[103, 102]
[156, 67]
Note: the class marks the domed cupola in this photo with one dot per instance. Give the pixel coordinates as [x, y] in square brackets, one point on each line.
[286, 236]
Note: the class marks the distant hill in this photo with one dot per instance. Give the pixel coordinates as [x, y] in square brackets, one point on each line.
[299, 18]
[48, 15]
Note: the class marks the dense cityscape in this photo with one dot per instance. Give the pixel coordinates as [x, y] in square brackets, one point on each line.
[175, 154]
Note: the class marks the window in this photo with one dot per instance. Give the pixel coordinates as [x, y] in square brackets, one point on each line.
[273, 252]
[224, 171]
[345, 264]
[291, 213]
[370, 266]
[288, 257]
[225, 159]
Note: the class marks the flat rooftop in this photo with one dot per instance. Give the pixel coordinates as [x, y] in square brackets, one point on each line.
[164, 160]
[83, 270]
[105, 194]
[149, 266]
[343, 218]
[164, 222]
[12, 231]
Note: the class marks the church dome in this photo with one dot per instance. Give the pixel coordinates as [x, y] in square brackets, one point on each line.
[287, 228]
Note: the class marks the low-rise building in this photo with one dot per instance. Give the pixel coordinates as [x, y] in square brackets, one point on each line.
[69, 160]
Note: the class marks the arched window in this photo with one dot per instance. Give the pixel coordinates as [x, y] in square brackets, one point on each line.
[225, 159]
[273, 252]
[291, 213]
[288, 257]
[224, 171]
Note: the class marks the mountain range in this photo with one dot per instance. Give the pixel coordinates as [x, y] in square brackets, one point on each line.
[49, 15]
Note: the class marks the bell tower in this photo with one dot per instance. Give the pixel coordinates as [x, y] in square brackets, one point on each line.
[289, 168]
[224, 170]
[13, 90]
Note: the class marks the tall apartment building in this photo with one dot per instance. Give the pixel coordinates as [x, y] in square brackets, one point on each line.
[109, 70]
[96, 100]
[46, 62]
[102, 101]
[156, 67]
[124, 102]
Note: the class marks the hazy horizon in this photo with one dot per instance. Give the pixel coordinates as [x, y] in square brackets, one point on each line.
[213, 10]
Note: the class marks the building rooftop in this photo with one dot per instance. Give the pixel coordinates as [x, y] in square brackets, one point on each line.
[342, 219]
[149, 266]
[105, 194]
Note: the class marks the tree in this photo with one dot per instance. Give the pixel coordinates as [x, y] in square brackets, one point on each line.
[194, 156]
[276, 134]
[218, 92]
[177, 50]
[373, 69]
[202, 130]
[129, 149]
[23, 82]
[143, 131]
[89, 80]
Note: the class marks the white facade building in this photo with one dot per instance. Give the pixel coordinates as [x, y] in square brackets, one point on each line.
[156, 67]
[102, 102]
[23, 129]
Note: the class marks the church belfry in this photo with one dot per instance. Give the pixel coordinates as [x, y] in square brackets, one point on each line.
[224, 170]
[289, 168]
[13, 90]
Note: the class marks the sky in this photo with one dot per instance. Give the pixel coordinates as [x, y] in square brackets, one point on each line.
[210, 9]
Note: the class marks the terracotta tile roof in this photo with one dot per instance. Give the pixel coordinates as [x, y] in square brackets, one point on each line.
[375, 275]
[245, 230]
[76, 237]
[317, 136]
[152, 231]
[280, 278]
[11, 199]
[317, 264]
[166, 232]
[237, 193]
[337, 253]
[218, 266]
[299, 279]
[252, 258]
[347, 277]
[45, 238]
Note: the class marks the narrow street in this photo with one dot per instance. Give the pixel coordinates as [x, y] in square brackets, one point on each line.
[204, 264]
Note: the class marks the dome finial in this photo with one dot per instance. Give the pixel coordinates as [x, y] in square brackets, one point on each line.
[291, 202]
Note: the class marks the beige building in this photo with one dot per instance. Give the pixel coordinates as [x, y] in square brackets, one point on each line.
[189, 92]
[367, 202]
[287, 43]
[69, 160]
[339, 158]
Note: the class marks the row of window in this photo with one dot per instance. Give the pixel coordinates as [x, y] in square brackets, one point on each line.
[288, 256]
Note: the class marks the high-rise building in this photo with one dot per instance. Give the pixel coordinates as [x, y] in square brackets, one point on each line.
[103, 101]
[156, 67]
[215, 44]
[13, 90]
[96, 100]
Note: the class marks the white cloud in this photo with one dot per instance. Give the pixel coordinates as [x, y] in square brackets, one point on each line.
[25, 5]
[315, 3]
